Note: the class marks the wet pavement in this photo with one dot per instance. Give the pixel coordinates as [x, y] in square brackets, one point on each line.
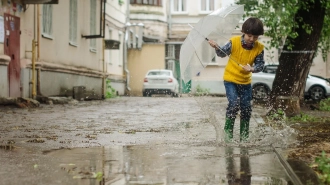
[136, 140]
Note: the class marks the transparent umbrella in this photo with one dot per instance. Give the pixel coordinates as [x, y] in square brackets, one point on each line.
[195, 51]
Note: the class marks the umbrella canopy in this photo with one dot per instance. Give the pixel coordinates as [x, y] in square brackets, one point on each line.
[195, 51]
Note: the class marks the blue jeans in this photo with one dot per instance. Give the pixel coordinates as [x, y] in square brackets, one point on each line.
[239, 97]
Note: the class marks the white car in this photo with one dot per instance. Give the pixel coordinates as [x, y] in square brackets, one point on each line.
[160, 81]
[316, 88]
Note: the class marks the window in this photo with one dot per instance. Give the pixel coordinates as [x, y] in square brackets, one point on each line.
[171, 51]
[73, 22]
[270, 69]
[147, 2]
[159, 73]
[207, 5]
[47, 20]
[92, 24]
[171, 65]
[110, 37]
[179, 5]
[120, 37]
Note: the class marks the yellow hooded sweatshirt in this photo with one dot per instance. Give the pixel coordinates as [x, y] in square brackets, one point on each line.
[234, 72]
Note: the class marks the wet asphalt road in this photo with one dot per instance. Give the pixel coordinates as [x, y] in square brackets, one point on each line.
[131, 140]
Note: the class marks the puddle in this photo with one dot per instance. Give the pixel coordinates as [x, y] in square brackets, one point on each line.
[7, 145]
[261, 134]
[170, 165]
[191, 156]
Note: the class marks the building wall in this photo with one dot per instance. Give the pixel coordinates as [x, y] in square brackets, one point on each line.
[4, 91]
[115, 30]
[320, 67]
[63, 64]
[152, 53]
[327, 67]
[59, 51]
[152, 56]
[154, 19]
[65, 82]
[26, 76]
[178, 22]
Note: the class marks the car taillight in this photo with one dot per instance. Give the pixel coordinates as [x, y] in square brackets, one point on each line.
[145, 80]
[170, 80]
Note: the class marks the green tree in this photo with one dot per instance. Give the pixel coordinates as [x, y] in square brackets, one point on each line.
[302, 29]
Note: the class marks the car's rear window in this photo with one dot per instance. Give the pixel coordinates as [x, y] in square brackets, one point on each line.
[270, 69]
[159, 73]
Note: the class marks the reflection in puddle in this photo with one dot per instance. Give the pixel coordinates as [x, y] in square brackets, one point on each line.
[9, 145]
[171, 165]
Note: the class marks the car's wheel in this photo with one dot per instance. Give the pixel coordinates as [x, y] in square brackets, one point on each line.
[175, 94]
[145, 94]
[260, 92]
[316, 93]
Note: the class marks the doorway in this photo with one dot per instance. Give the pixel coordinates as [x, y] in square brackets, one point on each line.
[12, 49]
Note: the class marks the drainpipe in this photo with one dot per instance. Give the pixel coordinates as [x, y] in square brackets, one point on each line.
[38, 31]
[38, 51]
[103, 69]
[127, 25]
[33, 80]
[125, 57]
[103, 88]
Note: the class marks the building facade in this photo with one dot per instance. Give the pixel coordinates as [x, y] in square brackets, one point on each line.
[147, 33]
[68, 39]
[56, 48]
[74, 47]
[115, 28]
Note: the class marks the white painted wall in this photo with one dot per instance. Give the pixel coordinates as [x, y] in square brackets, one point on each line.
[115, 30]
[320, 67]
[4, 90]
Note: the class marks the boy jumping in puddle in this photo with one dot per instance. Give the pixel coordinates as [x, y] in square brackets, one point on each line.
[246, 56]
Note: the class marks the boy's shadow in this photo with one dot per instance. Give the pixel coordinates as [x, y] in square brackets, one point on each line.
[244, 175]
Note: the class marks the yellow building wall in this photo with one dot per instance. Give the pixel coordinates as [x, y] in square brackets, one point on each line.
[151, 56]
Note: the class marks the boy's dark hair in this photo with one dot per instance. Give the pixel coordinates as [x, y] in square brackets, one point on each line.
[253, 26]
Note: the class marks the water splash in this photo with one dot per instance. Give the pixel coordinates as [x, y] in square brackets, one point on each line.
[276, 133]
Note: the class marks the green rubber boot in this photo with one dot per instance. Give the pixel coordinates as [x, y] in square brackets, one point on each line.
[229, 128]
[244, 130]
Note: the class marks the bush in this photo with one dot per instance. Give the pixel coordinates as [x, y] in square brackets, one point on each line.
[201, 91]
[302, 117]
[323, 166]
[111, 92]
[325, 104]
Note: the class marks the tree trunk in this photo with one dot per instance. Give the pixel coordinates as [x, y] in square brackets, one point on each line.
[294, 65]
